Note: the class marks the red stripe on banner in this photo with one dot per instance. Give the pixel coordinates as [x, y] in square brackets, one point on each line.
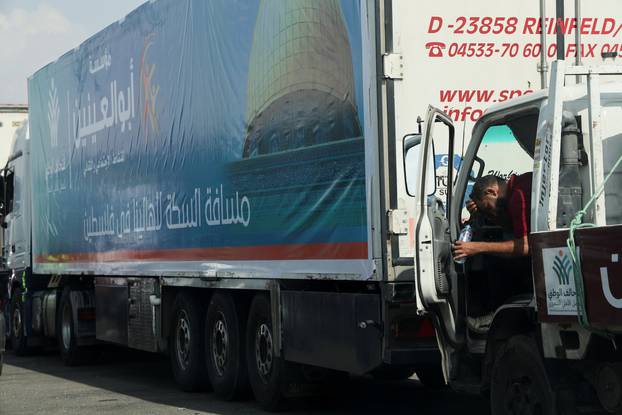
[348, 250]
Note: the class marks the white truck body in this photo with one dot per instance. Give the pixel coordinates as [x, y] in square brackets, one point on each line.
[463, 57]
[12, 117]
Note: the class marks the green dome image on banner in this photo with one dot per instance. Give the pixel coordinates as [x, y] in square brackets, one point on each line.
[301, 83]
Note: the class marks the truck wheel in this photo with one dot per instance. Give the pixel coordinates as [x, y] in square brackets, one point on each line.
[19, 341]
[71, 354]
[224, 352]
[519, 383]
[186, 344]
[269, 375]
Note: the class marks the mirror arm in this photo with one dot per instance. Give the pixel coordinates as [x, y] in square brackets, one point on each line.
[450, 170]
[411, 141]
[480, 171]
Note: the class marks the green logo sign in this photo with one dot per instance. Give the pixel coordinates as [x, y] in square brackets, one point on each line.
[563, 268]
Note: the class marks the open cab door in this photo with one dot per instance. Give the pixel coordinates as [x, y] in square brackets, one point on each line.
[437, 283]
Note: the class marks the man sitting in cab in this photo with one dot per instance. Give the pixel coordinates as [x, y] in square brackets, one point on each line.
[506, 204]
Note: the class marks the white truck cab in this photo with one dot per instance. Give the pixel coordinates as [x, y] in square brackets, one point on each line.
[16, 227]
[16, 212]
[572, 137]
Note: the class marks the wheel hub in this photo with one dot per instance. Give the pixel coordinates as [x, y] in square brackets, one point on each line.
[220, 338]
[522, 399]
[264, 352]
[183, 340]
[17, 322]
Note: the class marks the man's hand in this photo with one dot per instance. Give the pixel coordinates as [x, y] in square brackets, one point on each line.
[512, 248]
[471, 207]
[464, 249]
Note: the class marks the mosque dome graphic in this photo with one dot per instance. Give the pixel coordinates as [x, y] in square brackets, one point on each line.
[301, 81]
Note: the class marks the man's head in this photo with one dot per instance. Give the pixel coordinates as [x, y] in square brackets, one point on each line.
[488, 192]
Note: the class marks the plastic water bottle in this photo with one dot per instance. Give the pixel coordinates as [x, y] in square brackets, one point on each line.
[466, 235]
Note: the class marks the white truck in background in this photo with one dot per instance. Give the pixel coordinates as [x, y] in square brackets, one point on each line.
[12, 117]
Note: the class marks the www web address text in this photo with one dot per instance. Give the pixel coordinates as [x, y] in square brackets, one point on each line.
[470, 104]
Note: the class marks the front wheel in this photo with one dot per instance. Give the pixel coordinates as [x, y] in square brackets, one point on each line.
[19, 341]
[519, 382]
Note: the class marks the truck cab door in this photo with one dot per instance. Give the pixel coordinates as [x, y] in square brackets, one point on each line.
[434, 267]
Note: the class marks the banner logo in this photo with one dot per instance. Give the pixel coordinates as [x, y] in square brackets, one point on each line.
[149, 90]
[53, 114]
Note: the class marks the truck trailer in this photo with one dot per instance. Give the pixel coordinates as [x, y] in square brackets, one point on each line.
[202, 178]
[227, 182]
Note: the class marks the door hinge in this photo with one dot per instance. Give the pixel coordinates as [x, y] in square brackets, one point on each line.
[392, 66]
[398, 222]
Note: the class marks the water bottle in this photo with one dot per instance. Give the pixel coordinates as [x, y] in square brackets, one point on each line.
[466, 235]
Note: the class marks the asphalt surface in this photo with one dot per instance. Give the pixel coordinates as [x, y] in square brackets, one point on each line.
[127, 382]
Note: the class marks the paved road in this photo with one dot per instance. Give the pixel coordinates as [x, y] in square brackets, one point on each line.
[126, 382]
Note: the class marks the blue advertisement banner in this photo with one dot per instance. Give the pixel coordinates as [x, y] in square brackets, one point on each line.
[194, 130]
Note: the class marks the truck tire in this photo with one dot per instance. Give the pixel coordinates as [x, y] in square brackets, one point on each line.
[70, 352]
[519, 382]
[224, 348]
[19, 341]
[269, 376]
[186, 347]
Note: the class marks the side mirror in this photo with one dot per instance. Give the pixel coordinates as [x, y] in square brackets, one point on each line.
[412, 155]
[412, 148]
[480, 168]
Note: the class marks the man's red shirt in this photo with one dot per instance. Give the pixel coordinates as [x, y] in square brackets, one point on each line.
[519, 204]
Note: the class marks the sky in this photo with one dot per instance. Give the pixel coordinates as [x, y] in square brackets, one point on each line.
[34, 33]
